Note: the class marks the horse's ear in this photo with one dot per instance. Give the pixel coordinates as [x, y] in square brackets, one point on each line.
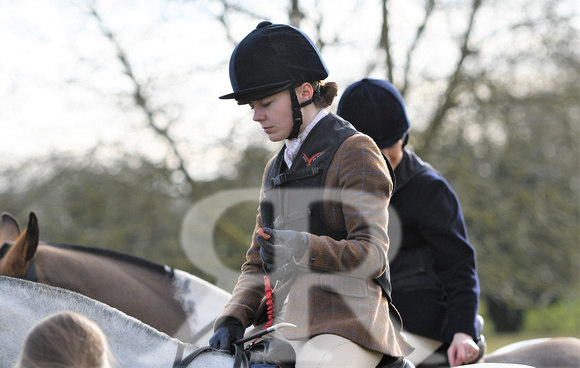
[32, 236]
[10, 228]
[16, 261]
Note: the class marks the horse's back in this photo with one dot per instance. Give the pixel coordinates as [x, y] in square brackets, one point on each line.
[557, 352]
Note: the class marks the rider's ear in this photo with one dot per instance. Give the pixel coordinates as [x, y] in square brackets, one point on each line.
[304, 92]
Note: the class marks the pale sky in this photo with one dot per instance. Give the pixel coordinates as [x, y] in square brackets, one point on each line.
[63, 89]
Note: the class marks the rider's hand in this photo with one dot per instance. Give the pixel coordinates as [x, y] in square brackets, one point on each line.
[463, 350]
[281, 248]
[228, 332]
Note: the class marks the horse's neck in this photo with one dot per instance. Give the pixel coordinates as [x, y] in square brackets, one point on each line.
[99, 275]
[144, 292]
[132, 342]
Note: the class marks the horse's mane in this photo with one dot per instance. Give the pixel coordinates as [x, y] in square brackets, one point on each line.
[118, 256]
[163, 270]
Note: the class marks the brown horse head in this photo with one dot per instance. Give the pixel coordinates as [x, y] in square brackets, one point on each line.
[18, 257]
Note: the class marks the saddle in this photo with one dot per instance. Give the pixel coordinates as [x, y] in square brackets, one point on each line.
[265, 353]
[277, 353]
[209, 357]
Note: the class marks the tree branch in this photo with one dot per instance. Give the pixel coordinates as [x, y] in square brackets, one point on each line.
[448, 98]
[429, 6]
[384, 42]
[141, 99]
[295, 14]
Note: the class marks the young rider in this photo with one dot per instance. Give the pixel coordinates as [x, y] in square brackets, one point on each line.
[434, 272]
[323, 210]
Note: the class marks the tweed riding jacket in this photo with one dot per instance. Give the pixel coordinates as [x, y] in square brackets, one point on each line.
[334, 289]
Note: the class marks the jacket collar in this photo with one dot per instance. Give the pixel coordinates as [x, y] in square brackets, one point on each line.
[409, 167]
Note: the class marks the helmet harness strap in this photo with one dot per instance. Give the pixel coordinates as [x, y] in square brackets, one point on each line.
[296, 112]
[405, 139]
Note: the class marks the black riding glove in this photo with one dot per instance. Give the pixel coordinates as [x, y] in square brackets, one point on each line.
[228, 332]
[282, 247]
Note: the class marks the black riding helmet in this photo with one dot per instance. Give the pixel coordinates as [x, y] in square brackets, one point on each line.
[272, 58]
[377, 109]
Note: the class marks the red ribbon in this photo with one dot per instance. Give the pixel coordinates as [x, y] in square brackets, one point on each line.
[269, 302]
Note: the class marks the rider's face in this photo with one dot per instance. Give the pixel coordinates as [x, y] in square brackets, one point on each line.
[394, 153]
[274, 113]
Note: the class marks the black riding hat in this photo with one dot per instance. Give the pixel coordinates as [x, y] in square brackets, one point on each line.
[270, 59]
[376, 108]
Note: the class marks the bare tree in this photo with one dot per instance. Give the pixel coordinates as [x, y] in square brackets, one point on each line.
[429, 6]
[142, 100]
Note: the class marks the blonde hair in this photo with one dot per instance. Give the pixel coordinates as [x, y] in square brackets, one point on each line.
[66, 340]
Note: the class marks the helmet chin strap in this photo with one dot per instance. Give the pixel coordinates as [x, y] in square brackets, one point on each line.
[405, 139]
[297, 113]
